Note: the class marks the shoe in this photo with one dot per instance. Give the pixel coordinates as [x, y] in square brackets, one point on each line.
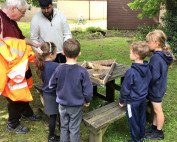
[34, 117]
[150, 130]
[133, 141]
[156, 135]
[18, 130]
[54, 138]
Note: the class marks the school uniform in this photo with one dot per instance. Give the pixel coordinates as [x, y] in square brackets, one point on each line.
[159, 63]
[133, 92]
[73, 88]
[49, 95]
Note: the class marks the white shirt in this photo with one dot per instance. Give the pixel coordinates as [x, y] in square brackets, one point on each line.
[56, 31]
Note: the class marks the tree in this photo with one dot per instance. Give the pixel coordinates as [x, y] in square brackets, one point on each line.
[151, 7]
[32, 2]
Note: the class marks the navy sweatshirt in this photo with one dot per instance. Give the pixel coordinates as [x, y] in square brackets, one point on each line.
[49, 68]
[159, 69]
[135, 84]
[73, 85]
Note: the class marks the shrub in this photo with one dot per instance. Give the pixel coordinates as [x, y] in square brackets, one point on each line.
[170, 28]
[93, 29]
[143, 30]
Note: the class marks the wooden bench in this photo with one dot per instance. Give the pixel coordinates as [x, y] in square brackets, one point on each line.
[98, 120]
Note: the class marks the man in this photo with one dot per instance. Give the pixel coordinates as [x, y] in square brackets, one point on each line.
[12, 11]
[50, 25]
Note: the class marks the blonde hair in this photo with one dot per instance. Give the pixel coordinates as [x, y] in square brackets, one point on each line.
[47, 49]
[160, 37]
[140, 48]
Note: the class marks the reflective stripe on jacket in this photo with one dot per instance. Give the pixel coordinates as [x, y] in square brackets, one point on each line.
[14, 58]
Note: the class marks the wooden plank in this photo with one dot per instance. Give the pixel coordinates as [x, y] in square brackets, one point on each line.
[119, 71]
[109, 119]
[102, 115]
[97, 126]
[99, 110]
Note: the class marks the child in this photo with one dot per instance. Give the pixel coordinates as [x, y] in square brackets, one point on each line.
[45, 68]
[74, 89]
[134, 90]
[159, 62]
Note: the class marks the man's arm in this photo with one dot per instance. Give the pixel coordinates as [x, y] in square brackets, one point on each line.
[66, 30]
[34, 31]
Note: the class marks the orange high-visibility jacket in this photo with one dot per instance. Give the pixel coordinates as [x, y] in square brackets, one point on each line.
[14, 58]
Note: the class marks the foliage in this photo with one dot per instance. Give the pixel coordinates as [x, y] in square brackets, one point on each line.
[2, 1]
[170, 28]
[147, 7]
[93, 29]
[143, 31]
[33, 2]
[152, 7]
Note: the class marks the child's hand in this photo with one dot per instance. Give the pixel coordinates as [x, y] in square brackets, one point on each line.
[86, 104]
[121, 105]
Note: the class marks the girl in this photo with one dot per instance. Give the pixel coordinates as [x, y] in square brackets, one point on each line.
[162, 57]
[45, 68]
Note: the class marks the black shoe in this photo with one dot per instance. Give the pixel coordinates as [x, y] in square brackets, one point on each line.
[34, 117]
[18, 130]
[54, 138]
[150, 130]
[133, 141]
[156, 135]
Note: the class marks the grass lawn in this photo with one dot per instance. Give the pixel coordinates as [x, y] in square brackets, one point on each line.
[95, 49]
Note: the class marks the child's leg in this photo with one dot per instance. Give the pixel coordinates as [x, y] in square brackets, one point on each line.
[64, 123]
[74, 124]
[52, 124]
[134, 121]
[159, 115]
[142, 115]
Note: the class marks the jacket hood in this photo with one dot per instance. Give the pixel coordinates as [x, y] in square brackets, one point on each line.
[166, 55]
[141, 68]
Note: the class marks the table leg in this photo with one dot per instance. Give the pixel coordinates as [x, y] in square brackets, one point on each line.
[95, 90]
[110, 91]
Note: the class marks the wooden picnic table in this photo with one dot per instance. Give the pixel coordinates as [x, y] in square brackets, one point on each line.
[118, 72]
[111, 86]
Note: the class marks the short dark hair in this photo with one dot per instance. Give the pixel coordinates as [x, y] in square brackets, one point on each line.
[71, 48]
[45, 3]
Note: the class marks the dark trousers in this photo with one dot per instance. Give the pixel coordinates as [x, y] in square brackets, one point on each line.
[16, 109]
[60, 58]
[136, 113]
[52, 124]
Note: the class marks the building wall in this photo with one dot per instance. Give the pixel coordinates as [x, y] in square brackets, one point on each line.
[87, 9]
[120, 16]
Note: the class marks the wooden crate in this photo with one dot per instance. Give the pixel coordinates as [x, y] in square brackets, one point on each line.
[99, 71]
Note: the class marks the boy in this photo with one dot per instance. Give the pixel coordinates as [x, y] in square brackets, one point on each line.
[134, 90]
[73, 89]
